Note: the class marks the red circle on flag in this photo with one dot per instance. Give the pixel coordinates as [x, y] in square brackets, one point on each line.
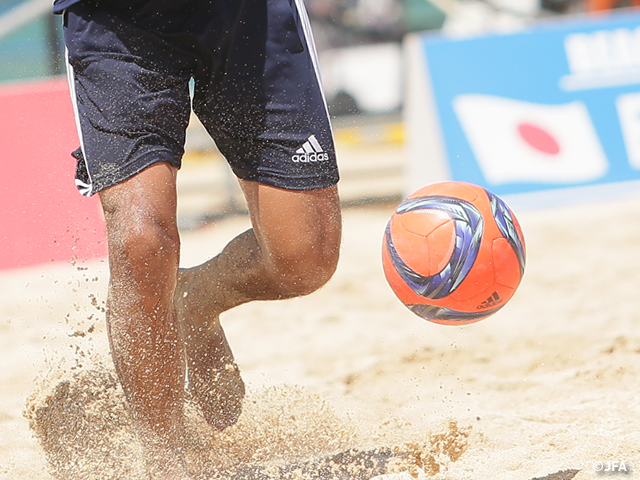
[538, 138]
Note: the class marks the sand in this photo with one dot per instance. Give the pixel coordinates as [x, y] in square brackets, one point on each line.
[549, 384]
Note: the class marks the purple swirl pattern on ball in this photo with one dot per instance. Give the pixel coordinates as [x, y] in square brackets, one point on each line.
[432, 312]
[506, 224]
[469, 227]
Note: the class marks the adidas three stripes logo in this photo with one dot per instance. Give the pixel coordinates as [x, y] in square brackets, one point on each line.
[311, 151]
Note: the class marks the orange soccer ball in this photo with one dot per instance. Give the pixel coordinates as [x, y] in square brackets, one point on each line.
[453, 253]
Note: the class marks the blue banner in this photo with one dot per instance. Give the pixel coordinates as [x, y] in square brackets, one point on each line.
[555, 106]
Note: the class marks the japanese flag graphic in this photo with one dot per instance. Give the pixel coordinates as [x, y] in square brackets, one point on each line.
[516, 141]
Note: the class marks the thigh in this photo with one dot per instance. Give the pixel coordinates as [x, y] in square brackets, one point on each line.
[130, 91]
[264, 105]
[292, 225]
[146, 200]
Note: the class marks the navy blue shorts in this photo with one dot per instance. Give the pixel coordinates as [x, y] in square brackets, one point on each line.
[256, 89]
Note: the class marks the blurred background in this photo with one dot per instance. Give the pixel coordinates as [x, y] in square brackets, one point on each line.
[31, 38]
[365, 64]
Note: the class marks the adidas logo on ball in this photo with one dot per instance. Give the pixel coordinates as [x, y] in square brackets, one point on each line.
[311, 151]
[492, 301]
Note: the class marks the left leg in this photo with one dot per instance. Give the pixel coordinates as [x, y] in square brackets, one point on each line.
[291, 250]
[265, 109]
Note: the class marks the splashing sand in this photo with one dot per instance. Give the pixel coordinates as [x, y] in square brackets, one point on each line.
[83, 425]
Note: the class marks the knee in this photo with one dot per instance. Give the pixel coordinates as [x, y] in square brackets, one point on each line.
[146, 242]
[306, 264]
[142, 245]
[298, 235]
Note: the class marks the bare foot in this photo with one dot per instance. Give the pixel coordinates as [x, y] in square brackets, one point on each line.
[214, 380]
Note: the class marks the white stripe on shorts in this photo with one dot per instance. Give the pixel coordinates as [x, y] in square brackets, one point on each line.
[311, 45]
[84, 188]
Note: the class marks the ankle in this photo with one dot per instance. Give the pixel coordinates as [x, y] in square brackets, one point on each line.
[164, 458]
[166, 466]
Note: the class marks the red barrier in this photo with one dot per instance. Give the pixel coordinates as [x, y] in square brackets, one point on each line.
[42, 216]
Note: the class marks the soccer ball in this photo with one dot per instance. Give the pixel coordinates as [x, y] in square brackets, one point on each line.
[453, 253]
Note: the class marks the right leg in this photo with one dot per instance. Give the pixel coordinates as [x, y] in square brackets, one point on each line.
[145, 339]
